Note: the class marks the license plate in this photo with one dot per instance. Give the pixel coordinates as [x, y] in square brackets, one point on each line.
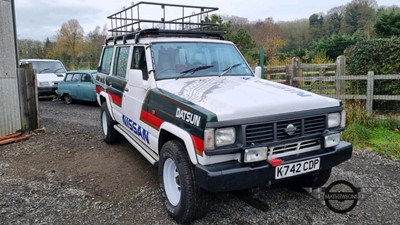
[297, 168]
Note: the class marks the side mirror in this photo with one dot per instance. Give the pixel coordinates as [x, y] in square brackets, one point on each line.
[258, 72]
[135, 79]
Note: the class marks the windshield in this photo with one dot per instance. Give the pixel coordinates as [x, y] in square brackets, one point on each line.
[48, 66]
[187, 59]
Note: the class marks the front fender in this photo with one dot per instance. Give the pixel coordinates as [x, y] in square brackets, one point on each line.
[185, 136]
[108, 101]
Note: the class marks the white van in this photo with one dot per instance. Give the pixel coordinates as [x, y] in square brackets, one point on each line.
[48, 72]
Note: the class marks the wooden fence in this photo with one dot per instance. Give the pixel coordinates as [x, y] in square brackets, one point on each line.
[329, 80]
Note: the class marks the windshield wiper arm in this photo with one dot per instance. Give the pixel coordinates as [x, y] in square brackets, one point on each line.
[44, 70]
[58, 69]
[229, 68]
[194, 69]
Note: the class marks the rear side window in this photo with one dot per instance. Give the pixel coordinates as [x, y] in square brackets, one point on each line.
[69, 77]
[76, 77]
[86, 78]
[105, 65]
[121, 61]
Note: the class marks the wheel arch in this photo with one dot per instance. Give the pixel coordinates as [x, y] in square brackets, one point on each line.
[62, 93]
[170, 132]
[104, 97]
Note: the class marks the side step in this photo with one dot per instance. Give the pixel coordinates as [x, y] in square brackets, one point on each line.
[144, 150]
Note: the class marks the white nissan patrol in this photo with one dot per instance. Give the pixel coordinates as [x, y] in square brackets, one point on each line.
[190, 103]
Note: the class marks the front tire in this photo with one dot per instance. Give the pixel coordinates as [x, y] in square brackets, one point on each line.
[110, 135]
[184, 200]
[67, 98]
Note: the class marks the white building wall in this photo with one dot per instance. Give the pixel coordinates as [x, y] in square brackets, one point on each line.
[10, 118]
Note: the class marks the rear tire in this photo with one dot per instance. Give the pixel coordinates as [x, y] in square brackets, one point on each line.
[184, 200]
[315, 179]
[110, 135]
[67, 98]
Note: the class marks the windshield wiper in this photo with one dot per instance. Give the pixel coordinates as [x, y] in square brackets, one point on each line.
[58, 69]
[229, 68]
[194, 69]
[44, 70]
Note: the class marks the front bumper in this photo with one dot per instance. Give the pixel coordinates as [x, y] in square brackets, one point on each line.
[51, 90]
[230, 176]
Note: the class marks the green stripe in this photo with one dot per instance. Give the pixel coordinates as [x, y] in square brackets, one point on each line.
[165, 104]
[118, 85]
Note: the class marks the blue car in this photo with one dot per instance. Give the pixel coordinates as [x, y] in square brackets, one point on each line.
[78, 85]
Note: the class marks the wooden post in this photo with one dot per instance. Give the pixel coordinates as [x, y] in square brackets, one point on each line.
[289, 80]
[295, 71]
[370, 92]
[28, 97]
[268, 72]
[340, 71]
[321, 75]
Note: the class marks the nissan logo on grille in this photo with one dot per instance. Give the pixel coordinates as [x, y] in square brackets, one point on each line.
[290, 129]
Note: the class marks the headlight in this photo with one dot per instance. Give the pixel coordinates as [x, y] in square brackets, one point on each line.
[44, 84]
[333, 120]
[225, 136]
[219, 137]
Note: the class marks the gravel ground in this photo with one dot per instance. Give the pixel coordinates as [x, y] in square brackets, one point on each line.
[68, 175]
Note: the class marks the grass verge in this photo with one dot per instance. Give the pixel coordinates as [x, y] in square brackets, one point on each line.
[380, 136]
[378, 139]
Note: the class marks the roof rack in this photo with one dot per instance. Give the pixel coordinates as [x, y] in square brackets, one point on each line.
[165, 33]
[130, 19]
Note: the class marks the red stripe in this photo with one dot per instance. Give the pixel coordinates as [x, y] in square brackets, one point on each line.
[116, 99]
[99, 89]
[198, 144]
[151, 119]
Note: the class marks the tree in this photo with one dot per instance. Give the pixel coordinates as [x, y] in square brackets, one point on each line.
[269, 35]
[49, 49]
[316, 26]
[93, 45]
[240, 36]
[296, 33]
[236, 22]
[359, 16]
[30, 49]
[220, 24]
[69, 43]
[333, 20]
[333, 46]
[388, 23]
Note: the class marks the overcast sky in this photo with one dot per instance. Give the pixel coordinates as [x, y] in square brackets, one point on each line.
[43, 18]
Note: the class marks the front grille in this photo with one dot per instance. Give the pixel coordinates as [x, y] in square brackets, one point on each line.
[262, 133]
[281, 129]
[314, 125]
[293, 148]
